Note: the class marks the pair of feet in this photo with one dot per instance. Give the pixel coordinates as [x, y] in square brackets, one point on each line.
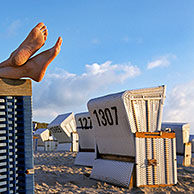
[19, 64]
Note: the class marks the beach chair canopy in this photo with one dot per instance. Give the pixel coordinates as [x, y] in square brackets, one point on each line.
[182, 131]
[85, 130]
[62, 127]
[43, 135]
[117, 117]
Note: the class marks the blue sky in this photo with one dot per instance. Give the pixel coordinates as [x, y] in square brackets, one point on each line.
[108, 46]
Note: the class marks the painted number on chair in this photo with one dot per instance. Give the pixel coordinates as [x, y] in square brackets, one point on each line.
[107, 116]
[85, 123]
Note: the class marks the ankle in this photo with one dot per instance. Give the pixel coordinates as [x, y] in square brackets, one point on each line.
[6, 63]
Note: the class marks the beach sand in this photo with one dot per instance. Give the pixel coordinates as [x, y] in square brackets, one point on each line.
[55, 172]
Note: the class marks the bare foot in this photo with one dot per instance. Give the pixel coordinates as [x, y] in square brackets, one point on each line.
[34, 41]
[35, 67]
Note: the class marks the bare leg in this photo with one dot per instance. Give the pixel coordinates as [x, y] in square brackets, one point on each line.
[34, 41]
[35, 67]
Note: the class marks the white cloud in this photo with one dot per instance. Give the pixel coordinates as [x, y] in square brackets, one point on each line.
[162, 61]
[61, 91]
[120, 72]
[179, 105]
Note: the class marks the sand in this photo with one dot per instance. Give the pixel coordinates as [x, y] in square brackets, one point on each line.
[55, 173]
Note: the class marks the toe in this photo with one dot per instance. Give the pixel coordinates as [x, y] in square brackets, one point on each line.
[40, 25]
[45, 32]
[59, 42]
[45, 38]
[43, 28]
[57, 46]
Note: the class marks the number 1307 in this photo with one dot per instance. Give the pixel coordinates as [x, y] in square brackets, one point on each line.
[107, 116]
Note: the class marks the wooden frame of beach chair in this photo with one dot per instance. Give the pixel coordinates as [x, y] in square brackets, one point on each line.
[116, 118]
[187, 154]
[16, 154]
[74, 142]
[192, 145]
